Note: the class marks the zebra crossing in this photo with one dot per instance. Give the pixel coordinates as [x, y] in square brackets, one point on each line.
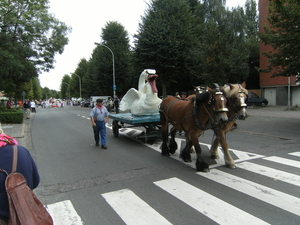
[126, 203]
[134, 209]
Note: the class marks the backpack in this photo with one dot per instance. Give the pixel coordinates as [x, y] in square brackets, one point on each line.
[24, 207]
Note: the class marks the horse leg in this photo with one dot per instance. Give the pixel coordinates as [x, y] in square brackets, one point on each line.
[200, 164]
[173, 145]
[214, 154]
[185, 153]
[229, 162]
[165, 135]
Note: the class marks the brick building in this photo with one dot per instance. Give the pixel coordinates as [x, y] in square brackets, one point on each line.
[278, 90]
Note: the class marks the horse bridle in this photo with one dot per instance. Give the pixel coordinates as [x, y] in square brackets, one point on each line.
[241, 95]
[211, 123]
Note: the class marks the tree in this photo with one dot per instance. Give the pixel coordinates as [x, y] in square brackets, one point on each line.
[165, 42]
[100, 74]
[283, 35]
[252, 40]
[222, 50]
[29, 39]
[81, 71]
[37, 90]
[65, 87]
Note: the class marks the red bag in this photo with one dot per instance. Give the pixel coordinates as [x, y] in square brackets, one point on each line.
[24, 207]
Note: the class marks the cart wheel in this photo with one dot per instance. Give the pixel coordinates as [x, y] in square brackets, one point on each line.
[115, 128]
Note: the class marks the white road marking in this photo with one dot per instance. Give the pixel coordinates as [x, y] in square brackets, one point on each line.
[132, 209]
[270, 172]
[63, 213]
[210, 206]
[280, 160]
[295, 154]
[255, 190]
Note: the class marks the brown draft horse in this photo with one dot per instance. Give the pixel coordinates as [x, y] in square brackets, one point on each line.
[236, 95]
[194, 116]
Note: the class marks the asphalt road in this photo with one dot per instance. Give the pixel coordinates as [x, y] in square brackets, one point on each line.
[131, 183]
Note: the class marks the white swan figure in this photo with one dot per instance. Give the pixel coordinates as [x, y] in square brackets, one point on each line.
[145, 100]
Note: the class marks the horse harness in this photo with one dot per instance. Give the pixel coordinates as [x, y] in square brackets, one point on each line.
[211, 122]
[241, 94]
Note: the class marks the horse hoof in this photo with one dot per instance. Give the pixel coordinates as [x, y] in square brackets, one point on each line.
[205, 170]
[214, 156]
[185, 159]
[172, 151]
[202, 167]
[231, 166]
[173, 148]
[165, 154]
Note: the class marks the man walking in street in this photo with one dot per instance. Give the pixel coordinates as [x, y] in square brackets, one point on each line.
[99, 117]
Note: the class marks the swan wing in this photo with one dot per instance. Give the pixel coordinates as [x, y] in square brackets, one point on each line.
[126, 102]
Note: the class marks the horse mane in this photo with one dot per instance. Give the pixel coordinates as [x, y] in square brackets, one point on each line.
[201, 97]
[232, 89]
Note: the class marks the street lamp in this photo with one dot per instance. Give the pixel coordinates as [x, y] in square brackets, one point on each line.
[69, 90]
[79, 84]
[113, 61]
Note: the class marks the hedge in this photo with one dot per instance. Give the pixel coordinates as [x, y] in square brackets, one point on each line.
[13, 115]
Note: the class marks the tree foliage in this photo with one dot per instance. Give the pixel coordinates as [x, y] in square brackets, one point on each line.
[65, 90]
[77, 82]
[29, 39]
[47, 93]
[283, 35]
[100, 74]
[165, 41]
[191, 42]
[188, 42]
[224, 39]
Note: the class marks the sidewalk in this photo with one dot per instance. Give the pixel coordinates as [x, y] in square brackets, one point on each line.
[20, 131]
[274, 111]
[14, 130]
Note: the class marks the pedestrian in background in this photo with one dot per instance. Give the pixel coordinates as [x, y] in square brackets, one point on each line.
[20, 104]
[99, 117]
[183, 95]
[110, 105]
[26, 166]
[8, 104]
[32, 106]
[116, 104]
[27, 108]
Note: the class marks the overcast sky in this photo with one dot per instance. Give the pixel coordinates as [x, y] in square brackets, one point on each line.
[87, 18]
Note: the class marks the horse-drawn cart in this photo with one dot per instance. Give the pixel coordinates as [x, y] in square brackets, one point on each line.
[150, 122]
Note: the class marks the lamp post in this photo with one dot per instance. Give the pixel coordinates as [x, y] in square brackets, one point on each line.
[113, 61]
[79, 84]
[69, 90]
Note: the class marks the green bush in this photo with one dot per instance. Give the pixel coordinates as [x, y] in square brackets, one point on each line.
[13, 115]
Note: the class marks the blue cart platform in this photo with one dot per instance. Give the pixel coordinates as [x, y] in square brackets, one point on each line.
[150, 122]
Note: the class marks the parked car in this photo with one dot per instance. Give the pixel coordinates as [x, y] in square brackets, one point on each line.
[85, 103]
[254, 99]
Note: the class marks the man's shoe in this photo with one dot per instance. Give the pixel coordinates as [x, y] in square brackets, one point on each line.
[104, 146]
[97, 144]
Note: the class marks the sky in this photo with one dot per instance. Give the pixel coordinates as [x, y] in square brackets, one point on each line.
[87, 19]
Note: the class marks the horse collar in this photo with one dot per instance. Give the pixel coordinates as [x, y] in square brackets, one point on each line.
[197, 122]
